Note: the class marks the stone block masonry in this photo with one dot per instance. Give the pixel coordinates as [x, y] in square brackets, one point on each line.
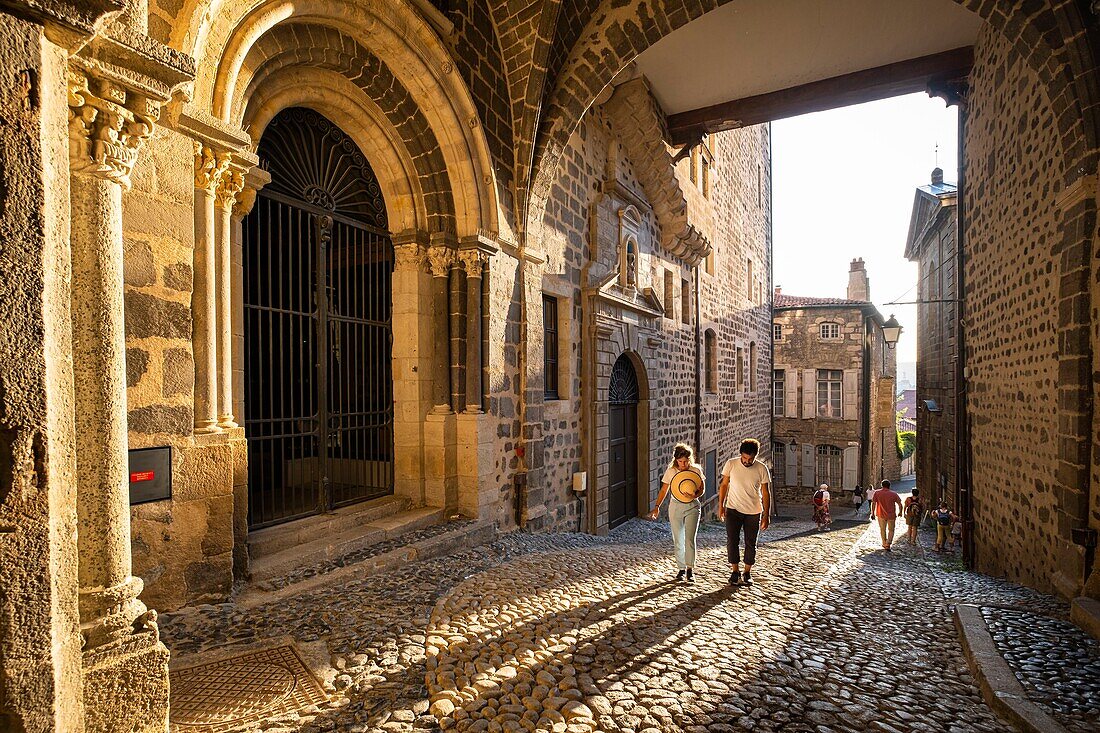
[1020, 504]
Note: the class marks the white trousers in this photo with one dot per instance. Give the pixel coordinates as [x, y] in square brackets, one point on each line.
[684, 519]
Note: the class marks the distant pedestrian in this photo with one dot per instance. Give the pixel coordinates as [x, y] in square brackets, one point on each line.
[914, 510]
[870, 503]
[956, 533]
[943, 518]
[857, 498]
[744, 502]
[821, 507]
[684, 507]
[886, 506]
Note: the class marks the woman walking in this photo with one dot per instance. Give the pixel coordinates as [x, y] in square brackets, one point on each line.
[685, 481]
[822, 498]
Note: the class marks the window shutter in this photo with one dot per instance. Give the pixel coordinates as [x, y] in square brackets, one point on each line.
[851, 394]
[792, 466]
[808, 465]
[791, 396]
[851, 467]
[809, 394]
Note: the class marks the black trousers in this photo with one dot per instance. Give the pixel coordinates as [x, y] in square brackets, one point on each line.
[736, 522]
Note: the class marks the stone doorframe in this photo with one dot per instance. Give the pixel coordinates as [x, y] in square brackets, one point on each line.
[611, 339]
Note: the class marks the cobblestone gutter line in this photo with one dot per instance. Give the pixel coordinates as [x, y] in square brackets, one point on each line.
[999, 686]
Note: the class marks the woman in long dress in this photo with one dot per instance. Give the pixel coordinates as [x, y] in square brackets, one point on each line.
[682, 515]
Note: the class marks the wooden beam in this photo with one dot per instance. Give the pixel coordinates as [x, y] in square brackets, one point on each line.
[868, 85]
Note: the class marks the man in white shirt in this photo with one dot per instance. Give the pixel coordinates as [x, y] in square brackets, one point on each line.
[743, 504]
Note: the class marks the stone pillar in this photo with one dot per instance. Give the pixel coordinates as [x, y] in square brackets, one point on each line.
[456, 309]
[229, 189]
[413, 367]
[107, 125]
[104, 134]
[209, 169]
[474, 263]
[440, 259]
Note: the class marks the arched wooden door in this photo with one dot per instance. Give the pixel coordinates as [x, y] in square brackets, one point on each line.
[318, 264]
[623, 395]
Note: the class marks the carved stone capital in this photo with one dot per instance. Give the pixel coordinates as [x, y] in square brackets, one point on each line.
[209, 168]
[244, 202]
[409, 257]
[440, 260]
[107, 126]
[473, 261]
[230, 186]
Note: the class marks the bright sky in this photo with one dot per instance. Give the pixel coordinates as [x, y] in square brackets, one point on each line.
[843, 184]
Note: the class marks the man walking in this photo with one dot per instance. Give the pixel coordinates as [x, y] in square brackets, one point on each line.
[743, 504]
[886, 506]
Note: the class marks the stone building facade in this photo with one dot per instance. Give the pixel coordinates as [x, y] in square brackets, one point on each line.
[933, 244]
[487, 155]
[833, 391]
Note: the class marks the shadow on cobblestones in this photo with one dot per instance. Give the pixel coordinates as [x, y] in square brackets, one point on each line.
[835, 636]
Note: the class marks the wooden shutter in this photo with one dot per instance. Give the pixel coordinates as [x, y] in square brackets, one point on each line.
[809, 394]
[790, 394]
[850, 394]
[791, 476]
[851, 467]
[808, 465]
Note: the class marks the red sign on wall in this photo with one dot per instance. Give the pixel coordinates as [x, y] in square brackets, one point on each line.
[142, 476]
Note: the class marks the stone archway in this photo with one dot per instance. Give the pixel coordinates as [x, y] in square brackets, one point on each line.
[317, 260]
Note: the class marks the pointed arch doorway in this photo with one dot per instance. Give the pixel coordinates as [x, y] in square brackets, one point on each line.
[622, 419]
[318, 264]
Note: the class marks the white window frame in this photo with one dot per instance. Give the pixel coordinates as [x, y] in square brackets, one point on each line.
[777, 331]
[829, 331]
[830, 404]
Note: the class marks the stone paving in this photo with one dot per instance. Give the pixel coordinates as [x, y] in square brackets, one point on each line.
[574, 633]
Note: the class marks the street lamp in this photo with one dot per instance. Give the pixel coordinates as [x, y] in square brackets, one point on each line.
[891, 331]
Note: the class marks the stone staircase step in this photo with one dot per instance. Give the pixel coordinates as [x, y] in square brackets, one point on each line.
[272, 540]
[425, 543]
[325, 545]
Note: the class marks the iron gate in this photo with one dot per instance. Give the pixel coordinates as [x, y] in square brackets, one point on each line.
[317, 307]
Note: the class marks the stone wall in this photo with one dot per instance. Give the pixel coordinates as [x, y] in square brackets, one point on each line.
[1012, 283]
[936, 367]
[597, 181]
[40, 641]
[182, 547]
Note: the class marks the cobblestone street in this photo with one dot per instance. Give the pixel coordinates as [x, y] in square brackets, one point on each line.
[574, 633]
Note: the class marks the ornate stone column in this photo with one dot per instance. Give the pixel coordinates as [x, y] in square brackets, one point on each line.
[107, 125]
[456, 308]
[473, 262]
[440, 260]
[230, 185]
[209, 169]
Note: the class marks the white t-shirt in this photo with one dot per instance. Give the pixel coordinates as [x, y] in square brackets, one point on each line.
[743, 492]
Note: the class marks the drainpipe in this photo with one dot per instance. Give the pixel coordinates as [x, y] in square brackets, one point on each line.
[865, 403]
[698, 364]
[963, 498]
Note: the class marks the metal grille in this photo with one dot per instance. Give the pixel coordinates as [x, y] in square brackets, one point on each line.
[623, 389]
[318, 378]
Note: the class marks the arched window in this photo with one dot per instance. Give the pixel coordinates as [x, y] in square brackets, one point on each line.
[710, 350]
[630, 263]
[829, 465]
[752, 366]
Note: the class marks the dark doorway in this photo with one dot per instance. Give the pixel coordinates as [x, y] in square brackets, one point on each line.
[317, 324]
[622, 495]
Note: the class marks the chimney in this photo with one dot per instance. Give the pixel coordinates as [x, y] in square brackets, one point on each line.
[937, 176]
[859, 287]
[778, 290]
